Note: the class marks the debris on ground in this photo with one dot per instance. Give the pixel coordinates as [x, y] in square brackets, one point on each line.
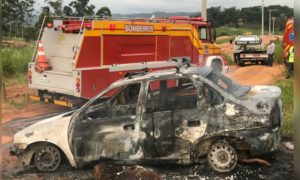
[289, 145]
[106, 172]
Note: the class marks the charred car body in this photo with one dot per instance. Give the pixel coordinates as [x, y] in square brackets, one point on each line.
[182, 116]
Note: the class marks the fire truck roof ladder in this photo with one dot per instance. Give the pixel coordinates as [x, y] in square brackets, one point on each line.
[38, 40]
[173, 62]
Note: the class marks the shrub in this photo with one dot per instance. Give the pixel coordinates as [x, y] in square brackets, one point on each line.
[278, 52]
[15, 60]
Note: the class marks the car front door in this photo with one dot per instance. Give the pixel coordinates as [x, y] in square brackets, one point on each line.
[108, 128]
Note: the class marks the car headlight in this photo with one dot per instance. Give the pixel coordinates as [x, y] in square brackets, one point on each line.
[21, 145]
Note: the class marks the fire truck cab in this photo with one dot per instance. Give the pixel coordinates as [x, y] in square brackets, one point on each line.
[84, 56]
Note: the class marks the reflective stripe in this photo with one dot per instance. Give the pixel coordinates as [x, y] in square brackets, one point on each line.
[40, 45]
[291, 55]
[41, 53]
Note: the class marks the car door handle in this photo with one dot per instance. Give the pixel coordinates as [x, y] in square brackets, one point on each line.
[128, 127]
[193, 123]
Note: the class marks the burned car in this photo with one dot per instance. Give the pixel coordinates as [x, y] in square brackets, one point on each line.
[188, 115]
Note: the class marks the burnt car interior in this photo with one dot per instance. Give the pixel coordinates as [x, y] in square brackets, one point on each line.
[116, 102]
[171, 94]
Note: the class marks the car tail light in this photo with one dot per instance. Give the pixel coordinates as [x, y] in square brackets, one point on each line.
[78, 85]
[29, 76]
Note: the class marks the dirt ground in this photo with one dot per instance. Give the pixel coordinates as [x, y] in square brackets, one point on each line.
[17, 118]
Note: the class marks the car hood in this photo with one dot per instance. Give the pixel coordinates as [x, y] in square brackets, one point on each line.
[264, 92]
[49, 129]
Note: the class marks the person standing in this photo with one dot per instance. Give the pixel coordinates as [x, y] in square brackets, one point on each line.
[290, 62]
[270, 52]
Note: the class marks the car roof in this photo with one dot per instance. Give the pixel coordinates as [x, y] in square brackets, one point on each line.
[202, 71]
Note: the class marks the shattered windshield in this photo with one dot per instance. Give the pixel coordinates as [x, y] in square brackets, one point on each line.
[227, 84]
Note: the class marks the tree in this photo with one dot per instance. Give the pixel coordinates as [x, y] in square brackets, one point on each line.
[81, 8]
[57, 6]
[16, 15]
[214, 14]
[104, 11]
[67, 11]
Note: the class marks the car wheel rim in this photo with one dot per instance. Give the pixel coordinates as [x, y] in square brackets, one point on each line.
[47, 158]
[222, 157]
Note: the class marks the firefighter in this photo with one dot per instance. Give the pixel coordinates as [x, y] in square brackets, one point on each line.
[270, 52]
[290, 62]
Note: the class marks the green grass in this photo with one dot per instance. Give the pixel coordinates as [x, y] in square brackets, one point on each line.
[287, 87]
[278, 52]
[224, 40]
[15, 60]
[233, 31]
[228, 57]
[20, 102]
[230, 31]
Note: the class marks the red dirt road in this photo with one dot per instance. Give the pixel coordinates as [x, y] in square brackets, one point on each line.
[257, 74]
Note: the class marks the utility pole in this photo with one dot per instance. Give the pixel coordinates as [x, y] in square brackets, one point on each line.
[270, 15]
[273, 18]
[204, 11]
[262, 17]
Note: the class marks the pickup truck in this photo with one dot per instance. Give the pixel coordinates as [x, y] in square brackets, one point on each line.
[248, 48]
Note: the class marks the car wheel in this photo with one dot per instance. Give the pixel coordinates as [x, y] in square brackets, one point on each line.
[222, 157]
[47, 158]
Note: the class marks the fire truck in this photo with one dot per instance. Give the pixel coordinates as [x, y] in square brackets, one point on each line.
[75, 59]
[288, 38]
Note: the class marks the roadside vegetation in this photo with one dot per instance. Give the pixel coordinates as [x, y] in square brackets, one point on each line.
[278, 52]
[228, 57]
[16, 53]
[15, 61]
[287, 88]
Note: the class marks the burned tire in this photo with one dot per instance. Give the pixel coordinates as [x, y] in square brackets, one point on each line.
[222, 157]
[47, 158]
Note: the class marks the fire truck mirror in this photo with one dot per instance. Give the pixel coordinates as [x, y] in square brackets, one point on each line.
[215, 34]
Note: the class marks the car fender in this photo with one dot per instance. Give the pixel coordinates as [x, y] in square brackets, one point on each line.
[53, 130]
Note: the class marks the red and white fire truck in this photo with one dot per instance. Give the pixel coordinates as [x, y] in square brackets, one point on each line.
[288, 37]
[78, 58]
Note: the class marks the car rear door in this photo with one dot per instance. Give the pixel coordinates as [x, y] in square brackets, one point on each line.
[172, 120]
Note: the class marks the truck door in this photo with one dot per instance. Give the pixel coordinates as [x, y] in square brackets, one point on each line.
[108, 127]
[168, 107]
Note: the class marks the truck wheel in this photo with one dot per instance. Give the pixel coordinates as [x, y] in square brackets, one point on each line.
[241, 63]
[47, 158]
[222, 157]
[217, 65]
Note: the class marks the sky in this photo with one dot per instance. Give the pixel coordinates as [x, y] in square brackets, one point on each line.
[148, 6]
